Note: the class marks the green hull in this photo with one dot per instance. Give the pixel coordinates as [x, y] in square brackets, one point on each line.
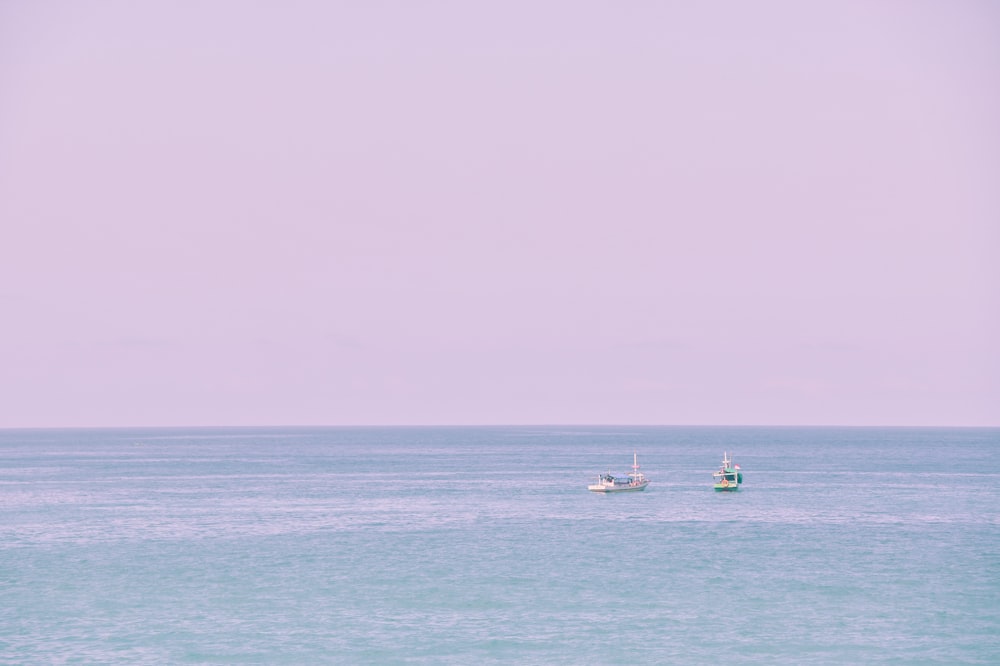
[728, 489]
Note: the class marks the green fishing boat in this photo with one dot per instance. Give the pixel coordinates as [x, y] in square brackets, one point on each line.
[729, 477]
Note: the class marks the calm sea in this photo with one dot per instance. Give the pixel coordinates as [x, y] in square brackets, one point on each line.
[482, 545]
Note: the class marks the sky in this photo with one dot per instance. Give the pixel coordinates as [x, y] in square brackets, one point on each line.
[408, 213]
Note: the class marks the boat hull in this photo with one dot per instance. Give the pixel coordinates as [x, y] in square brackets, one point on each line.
[625, 489]
[726, 489]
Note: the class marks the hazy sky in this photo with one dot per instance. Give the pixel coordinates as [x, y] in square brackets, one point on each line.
[243, 213]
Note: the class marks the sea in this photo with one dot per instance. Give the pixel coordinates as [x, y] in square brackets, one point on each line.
[482, 545]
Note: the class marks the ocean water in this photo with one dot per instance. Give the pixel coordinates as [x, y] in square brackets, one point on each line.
[482, 545]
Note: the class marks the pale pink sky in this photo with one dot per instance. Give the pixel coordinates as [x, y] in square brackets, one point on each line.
[243, 213]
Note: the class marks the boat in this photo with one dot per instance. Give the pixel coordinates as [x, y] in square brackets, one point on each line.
[636, 480]
[729, 477]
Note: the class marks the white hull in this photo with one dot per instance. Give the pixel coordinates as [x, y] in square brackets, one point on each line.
[619, 489]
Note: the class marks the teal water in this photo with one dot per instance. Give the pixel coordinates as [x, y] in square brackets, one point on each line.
[462, 545]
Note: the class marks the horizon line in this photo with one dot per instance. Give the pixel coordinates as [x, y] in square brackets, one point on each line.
[495, 425]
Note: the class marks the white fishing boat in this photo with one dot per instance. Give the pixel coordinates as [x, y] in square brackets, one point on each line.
[636, 480]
